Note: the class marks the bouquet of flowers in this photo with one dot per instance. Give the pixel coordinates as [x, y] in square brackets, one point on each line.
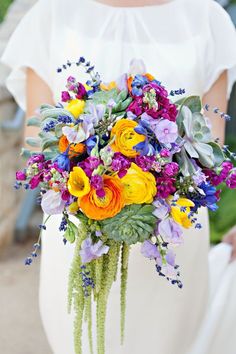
[122, 164]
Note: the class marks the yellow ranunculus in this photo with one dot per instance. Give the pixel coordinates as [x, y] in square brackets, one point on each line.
[125, 137]
[78, 183]
[180, 216]
[75, 107]
[73, 208]
[139, 186]
[108, 87]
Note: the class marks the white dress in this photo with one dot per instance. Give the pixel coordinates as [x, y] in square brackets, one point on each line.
[185, 44]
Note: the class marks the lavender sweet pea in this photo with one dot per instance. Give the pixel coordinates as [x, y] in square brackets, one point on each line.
[90, 251]
[52, 203]
[170, 231]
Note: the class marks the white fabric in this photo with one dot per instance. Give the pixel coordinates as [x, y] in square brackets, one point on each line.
[184, 43]
[217, 333]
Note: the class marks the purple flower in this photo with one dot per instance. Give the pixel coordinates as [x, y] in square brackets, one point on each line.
[165, 153]
[170, 231]
[216, 179]
[231, 181]
[35, 159]
[170, 258]
[20, 176]
[166, 131]
[162, 208]
[145, 162]
[90, 164]
[165, 186]
[149, 250]
[120, 164]
[90, 251]
[52, 203]
[97, 183]
[65, 96]
[199, 177]
[171, 169]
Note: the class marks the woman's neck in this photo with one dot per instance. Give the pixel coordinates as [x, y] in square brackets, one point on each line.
[133, 3]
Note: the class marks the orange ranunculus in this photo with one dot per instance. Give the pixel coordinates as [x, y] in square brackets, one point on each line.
[102, 208]
[108, 87]
[149, 77]
[126, 137]
[75, 149]
[129, 83]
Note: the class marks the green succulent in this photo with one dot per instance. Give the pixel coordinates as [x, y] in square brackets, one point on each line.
[199, 142]
[135, 223]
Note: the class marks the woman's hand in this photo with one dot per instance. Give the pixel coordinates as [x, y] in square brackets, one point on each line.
[230, 238]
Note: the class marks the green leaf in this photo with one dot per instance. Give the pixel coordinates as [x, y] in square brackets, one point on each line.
[34, 122]
[34, 142]
[58, 130]
[70, 234]
[193, 103]
[48, 140]
[218, 153]
[26, 153]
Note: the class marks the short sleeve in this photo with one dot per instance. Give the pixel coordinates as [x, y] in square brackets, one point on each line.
[29, 47]
[221, 47]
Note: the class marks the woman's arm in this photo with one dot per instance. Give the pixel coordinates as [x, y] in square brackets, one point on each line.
[37, 92]
[218, 96]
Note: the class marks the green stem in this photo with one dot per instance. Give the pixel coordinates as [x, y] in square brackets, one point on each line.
[123, 289]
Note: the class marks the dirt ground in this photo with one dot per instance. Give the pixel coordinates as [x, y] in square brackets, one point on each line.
[21, 330]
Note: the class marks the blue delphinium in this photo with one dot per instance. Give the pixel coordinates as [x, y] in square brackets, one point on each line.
[137, 85]
[208, 199]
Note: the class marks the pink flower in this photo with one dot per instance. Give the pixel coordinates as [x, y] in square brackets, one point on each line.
[166, 131]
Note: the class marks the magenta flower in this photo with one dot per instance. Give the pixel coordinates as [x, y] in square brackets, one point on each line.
[35, 180]
[216, 179]
[120, 164]
[166, 131]
[90, 251]
[35, 159]
[171, 169]
[90, 164]
[20, 176]
[165, 153]
[65, 96]
[80, 91]
[145, 162]
[165, 186]
[231, 181]
[97, 183]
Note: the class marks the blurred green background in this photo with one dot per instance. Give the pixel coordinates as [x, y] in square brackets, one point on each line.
[223, 219]
[3, 8]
